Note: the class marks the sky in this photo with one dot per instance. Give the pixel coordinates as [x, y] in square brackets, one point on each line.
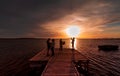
[50, 18]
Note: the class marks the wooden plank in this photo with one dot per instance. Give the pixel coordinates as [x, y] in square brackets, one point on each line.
[38, 59]
[60, 64]
[40, 56]
[81, 63]
[78, 56]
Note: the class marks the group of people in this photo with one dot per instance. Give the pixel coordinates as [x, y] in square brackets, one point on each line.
[51, 45]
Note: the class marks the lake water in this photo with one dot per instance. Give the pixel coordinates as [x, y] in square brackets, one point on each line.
[14, 55]
[106, 63]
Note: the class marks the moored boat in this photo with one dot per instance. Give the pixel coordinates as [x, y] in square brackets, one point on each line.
[108, 47]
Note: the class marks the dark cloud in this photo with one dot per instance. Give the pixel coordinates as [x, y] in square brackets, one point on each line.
[21, 16]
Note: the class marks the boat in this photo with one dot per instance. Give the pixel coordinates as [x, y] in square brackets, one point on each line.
[108, 47]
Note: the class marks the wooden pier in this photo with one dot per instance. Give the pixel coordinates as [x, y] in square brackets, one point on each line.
[64, 63]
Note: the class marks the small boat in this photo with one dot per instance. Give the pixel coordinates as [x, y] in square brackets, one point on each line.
[108, 47]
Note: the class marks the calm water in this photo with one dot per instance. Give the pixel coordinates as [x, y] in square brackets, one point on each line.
[101, 63]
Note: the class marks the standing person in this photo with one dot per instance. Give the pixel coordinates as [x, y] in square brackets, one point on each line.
[48, 46]
[53, 46]
[61, 43]
[73, 41]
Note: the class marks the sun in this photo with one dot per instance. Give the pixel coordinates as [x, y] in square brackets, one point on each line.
[73, 31]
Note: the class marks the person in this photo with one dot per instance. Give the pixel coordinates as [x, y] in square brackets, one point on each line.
[53, 46]
[48, 46]
[73, 41]
[61, 43]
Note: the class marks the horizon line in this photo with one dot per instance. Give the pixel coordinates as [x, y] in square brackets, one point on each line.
[52, 37]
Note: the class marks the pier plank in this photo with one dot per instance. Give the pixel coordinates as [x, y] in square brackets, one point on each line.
[61, 64]
[38, 59]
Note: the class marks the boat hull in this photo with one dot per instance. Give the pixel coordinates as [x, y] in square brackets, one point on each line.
[108, 47]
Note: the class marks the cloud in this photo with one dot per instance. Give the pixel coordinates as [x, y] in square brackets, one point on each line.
[45, 18]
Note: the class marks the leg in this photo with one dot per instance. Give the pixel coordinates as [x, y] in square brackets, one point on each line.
[52, 49]
[48, 51]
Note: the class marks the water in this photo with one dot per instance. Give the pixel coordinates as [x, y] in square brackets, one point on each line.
[102, 63]
[16, 52]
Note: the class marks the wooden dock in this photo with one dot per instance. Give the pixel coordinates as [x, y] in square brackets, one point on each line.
[37, 60]
[61, 64]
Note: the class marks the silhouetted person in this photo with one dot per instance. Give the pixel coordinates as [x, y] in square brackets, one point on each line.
[73, 41]
[53, 46]
[48, 46]
[61, 43]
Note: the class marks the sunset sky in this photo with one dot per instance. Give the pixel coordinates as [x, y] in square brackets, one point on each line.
[50, 18]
